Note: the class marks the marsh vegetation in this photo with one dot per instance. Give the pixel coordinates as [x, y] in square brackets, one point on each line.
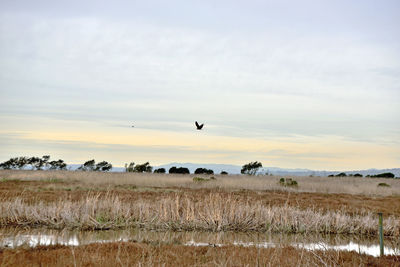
[176, 202]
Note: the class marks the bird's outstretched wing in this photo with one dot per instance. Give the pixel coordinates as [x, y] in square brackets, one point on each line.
[199, 127]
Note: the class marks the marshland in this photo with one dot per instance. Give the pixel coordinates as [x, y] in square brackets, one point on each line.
[252, 209]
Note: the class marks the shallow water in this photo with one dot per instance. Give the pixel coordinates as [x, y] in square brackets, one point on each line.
[16, 237]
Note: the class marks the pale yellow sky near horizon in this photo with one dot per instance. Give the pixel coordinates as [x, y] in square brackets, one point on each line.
[318, 153]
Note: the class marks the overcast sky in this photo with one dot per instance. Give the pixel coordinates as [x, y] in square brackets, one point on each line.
[293, 84]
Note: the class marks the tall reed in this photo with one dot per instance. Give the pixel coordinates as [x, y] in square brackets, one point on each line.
[216, 212]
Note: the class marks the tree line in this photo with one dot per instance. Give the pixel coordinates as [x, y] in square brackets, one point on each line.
[44, 163]
[34, 163]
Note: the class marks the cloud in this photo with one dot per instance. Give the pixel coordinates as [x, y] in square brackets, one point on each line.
[267, 79]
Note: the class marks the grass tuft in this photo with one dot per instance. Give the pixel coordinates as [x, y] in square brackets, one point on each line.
[288, 182]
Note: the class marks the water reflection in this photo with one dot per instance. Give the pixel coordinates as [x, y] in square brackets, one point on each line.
[16, 237]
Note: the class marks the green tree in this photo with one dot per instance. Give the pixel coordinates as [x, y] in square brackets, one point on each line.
[203, 171]
[57, 165]
[251, 168]
[145, 167]
[88, 166]
[12, 163]
[103, 166]
[129, 168]
[22, 161]
[45, 161]
[35, 162]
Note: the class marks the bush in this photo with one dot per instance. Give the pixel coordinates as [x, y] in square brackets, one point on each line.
[160, 170]
[383, 175]
[224, 173]
[342, 174]
[200, 179]
[358, 175]
[383, 185]
[288, 182]
[203, 171]
[180, 170]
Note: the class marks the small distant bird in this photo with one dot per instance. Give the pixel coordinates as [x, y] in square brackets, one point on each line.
[199, 127]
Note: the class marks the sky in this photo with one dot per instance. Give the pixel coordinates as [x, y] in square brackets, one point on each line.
[292, 84]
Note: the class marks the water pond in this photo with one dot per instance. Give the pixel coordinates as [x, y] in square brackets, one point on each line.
[12, 238]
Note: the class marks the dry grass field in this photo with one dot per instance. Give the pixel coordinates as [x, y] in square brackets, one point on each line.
[93, 200]
[334, 185]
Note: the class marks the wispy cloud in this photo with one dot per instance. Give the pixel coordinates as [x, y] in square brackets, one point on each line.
[315, 70]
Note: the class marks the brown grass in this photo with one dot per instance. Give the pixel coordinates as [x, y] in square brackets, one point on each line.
[148, 254]
[214, 212]
[53, 190]
[347, 185]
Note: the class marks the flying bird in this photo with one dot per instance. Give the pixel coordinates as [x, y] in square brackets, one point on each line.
[199, 127]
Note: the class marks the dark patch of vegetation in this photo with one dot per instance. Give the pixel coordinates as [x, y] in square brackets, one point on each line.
[10, 180]
[200, 179]
[288, 182]
[203, 171]
[180, 170]
[383, 185]
[342, 174]
[382, 175]
[224, 173]
[358, 175]
[160, 170]
[251, 168]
